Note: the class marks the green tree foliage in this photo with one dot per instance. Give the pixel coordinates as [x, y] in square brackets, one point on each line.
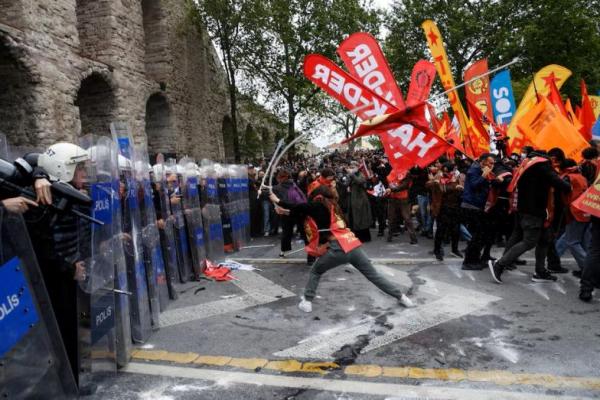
[282, 33]
[223, 20]
[565, 32]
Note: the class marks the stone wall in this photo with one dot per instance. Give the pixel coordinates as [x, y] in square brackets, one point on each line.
[70, 67]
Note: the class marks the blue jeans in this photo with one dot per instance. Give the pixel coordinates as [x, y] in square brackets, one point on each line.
[573, 239]
[426, 220]
[266, 206]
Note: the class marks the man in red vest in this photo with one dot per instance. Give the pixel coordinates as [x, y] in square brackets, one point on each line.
[532, 199]
[576, 220]
[333, 242]
[399, 204]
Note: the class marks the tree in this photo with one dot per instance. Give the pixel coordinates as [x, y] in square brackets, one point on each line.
[282, 32]
[564, 32]
[223, 20]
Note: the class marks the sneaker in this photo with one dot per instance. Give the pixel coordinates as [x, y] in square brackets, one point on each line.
[282, 255]
[544, 277]
[510, 267]
[413, 240]
[496, 270]
[457, 253]
[406, 302]
[585, 294]
[439, 256]
[305, 305]
[472, 267]
[558, 270]
[266, 234]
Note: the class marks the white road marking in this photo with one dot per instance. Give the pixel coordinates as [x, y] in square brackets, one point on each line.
[455, 303]
[258, 290]
[398, 391]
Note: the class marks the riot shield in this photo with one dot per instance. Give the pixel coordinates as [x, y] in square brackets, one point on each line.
[141, 321]
[33, 360]
[122, 293]
[193, 214]
[245, 204]
[155, 266]
[95, 297]
[211, 213]
[166, 227]
[175, 198]
[225, 187]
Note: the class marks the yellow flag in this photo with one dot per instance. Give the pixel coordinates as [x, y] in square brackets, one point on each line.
[440, 59]
[543, 80]
[595, 100]
[545, 127]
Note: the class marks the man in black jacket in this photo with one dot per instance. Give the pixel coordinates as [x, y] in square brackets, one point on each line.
[532, 185]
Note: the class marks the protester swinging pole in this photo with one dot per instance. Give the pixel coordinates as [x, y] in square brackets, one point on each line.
[273, 157]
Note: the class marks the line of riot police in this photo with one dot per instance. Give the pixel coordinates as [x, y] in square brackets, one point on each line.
[87, 288]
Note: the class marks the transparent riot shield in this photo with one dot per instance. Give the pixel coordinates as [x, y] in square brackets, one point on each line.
[193, 214]
[95, 297]
[155, 266]
[225, 187]
[122, 293]
[175, 198]
[140, 316]
[33, 360]
[166, 225]
[211, 213]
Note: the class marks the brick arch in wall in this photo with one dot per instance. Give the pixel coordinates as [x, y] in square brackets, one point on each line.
[156, 42]
[96, 101]
[161, 136]
[19, 107]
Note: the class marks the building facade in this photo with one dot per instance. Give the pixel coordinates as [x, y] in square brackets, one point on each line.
[70, 67]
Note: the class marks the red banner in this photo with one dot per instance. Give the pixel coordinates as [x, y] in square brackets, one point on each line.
[421, 80]
[344, 88]
[478, 91]
[589, 201]
[363, 57]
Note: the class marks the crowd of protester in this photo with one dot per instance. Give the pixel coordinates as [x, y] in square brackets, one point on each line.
[517, 202]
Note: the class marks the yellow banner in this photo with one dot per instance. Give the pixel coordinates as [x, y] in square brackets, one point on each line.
[545, 127]
[542, 79]
[440, 59]
[595, 100]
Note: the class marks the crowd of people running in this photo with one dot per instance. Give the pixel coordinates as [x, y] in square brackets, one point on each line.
[517, 202]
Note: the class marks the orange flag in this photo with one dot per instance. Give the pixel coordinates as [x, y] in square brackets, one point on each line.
[595, 101]
[554, 97]
[587, 117]
[540, 85]
[479, 141]
[546, 127]
[571, 115]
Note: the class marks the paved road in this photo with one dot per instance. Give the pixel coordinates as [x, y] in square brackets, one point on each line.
[468, 338]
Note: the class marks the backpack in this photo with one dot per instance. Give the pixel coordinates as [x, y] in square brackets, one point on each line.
[295, 195]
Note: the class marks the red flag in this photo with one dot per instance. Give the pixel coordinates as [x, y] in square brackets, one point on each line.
[410, 115]
[363, 57]
[555, 99]
[478, 91]
[346, 89]
[436, 123]
[421, 80]
[587, 117]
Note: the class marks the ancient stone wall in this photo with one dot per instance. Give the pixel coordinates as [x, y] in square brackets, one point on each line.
[70, 67]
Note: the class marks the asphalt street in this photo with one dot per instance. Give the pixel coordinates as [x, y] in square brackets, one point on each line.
[468, 338]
